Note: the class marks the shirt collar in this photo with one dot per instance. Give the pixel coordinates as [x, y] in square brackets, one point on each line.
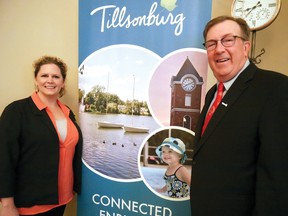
[40, 105]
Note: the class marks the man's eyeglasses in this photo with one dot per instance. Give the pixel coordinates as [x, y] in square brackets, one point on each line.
[227, 41]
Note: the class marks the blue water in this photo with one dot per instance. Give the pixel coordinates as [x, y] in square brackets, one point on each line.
[113, 152]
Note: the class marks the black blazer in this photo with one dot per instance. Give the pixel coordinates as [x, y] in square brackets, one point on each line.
[29, 155]
[240, 164]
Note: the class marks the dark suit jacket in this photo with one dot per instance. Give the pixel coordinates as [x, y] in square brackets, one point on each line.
[240, 164]
[29, 155]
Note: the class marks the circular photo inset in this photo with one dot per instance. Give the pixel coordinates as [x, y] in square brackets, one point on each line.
[165, 162]
[177, 88]
[114, 115]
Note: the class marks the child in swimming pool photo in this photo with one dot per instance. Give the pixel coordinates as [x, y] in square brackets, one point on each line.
[177, 177]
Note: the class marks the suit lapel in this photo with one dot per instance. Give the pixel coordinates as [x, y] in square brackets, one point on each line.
[208, 99]
[43, 116]
[237, 88]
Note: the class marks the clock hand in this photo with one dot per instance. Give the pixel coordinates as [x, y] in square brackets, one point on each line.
[247, 9]
[253, 8]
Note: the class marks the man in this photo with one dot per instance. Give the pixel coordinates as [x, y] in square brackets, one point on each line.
[240, 161]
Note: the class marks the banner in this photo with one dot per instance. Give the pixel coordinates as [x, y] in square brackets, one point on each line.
[142, 83]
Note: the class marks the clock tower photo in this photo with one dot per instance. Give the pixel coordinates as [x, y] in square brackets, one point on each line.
[186, 89]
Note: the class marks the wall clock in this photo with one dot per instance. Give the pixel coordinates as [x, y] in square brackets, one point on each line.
[257, 13]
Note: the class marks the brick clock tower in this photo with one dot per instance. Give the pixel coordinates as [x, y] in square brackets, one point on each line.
[186, 89]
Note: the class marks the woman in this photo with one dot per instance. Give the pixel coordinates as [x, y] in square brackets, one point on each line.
[40, 147]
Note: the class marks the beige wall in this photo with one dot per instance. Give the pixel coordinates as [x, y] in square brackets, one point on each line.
[32, 28]
[28, 30]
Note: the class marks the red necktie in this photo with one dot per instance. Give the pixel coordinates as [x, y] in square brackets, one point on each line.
[214, 106]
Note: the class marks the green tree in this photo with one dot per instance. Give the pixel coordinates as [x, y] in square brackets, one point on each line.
[81, 94]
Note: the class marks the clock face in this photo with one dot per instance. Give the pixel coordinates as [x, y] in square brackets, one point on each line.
[257, 13]
[188, 84]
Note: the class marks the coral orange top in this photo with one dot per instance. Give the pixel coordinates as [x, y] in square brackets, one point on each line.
[65, 173]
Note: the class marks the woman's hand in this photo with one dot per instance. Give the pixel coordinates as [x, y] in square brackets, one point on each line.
[8, 207]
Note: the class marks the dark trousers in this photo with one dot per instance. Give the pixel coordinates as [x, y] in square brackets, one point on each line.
[59, 211]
